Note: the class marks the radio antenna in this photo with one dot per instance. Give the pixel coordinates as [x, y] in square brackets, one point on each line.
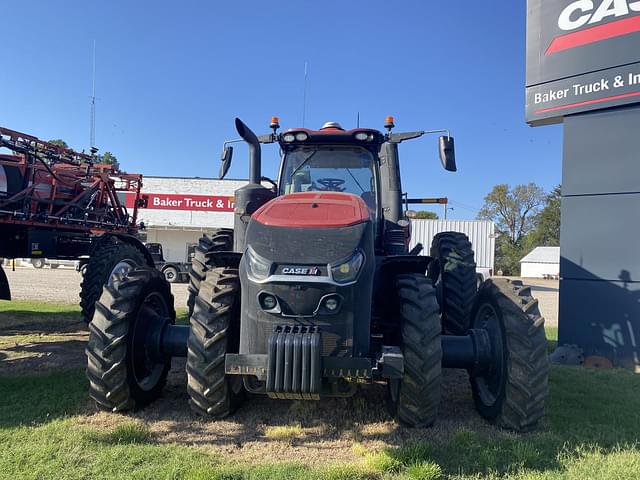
[92, 119]
[358, 120]
[304, 95]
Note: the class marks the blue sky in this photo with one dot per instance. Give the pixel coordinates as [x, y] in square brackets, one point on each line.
[171, 77]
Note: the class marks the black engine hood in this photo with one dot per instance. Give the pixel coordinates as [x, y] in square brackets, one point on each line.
[308, 245]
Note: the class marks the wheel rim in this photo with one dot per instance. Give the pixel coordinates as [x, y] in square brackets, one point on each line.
[489, 385]
[152, 315]
[122, 268]
[169, 274]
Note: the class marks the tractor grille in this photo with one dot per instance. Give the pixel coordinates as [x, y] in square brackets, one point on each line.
[333, 343]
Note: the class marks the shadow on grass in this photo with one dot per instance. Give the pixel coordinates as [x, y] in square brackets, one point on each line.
[589, 411]
[42, 356]
[37, 399]
[31, 319]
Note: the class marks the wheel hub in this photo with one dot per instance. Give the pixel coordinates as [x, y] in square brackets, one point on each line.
[122, 268]
[490, 381]
[151, 319]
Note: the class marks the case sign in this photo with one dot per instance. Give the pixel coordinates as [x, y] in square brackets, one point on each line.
[581, 55]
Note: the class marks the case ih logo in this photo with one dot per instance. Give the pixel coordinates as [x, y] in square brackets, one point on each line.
[300, 271]
[592, 14]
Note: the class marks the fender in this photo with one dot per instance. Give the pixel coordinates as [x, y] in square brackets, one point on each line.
[124, 238]
[398, 264]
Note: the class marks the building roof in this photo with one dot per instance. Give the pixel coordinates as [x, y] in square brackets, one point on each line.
[542, 255]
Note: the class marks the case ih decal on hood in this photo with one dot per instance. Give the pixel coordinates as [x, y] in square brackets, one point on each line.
[586, 13]
[301, 271]
[581, 55]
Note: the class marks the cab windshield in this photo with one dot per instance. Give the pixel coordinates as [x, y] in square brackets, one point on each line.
[330, 169]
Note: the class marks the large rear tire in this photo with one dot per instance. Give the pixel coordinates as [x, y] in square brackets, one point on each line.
[414, 400]
[107, 262]
[513, 392]
[215, 331]
[122, 373]
[453, 271]
[220, 240]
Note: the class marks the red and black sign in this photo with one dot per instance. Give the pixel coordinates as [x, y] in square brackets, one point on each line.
[581, 55]
[166, 201]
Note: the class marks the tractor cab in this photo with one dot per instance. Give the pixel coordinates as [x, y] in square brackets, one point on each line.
[332, 160]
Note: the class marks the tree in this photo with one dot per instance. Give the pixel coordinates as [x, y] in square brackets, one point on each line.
[108, 157]
[515, 212]
[425, 214]
[547, 231]
[59, 142]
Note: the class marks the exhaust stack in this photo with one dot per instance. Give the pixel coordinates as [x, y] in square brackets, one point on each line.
[255, 153]
[253, 195]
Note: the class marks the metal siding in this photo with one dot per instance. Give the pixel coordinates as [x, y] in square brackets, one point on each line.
[538, 270]
[481, 233]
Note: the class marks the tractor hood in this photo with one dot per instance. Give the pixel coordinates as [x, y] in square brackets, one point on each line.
[313, 210]
[311, 228]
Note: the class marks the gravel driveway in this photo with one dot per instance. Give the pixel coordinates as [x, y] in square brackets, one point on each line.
[61, 285]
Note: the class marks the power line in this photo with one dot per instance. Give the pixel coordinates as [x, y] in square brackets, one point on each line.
[464, 206]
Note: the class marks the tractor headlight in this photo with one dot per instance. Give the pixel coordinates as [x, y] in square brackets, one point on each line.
[345, 272]
[258, 268]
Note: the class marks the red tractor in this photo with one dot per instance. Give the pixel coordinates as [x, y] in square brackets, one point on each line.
[60, 204]
[314, 291]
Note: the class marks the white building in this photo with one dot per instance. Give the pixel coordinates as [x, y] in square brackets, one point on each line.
[481, 234]
[541, 262]
[180, 210]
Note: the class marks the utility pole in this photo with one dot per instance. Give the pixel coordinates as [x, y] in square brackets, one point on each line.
[445, 210]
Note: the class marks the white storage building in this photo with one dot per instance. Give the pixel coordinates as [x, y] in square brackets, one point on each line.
[481, 233]
[180, 210]
[541, 262]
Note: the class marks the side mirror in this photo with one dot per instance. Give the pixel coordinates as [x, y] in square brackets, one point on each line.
[227, 154]
[447, 153]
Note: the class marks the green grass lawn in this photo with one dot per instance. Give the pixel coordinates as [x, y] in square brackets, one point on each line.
[590, 432]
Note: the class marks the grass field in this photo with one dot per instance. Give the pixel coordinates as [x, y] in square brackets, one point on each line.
[590, 432]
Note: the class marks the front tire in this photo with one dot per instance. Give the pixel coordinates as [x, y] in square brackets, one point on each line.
[107, 262]
[453, 271]
[215, 331]
[122, 373]
[415, 399]
[513, 392]
[220, 240]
